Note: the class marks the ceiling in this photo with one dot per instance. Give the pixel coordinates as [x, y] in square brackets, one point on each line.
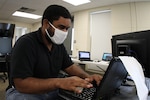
[7, 7]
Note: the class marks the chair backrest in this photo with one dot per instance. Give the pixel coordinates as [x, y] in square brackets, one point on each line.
[5, 45]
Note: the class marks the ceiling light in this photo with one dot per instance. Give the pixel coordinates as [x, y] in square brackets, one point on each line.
[26, 15]
[77, 2]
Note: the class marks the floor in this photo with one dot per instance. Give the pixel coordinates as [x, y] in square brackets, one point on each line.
[2, 89]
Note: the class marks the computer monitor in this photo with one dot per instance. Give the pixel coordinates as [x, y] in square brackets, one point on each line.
[136, 44]
[5, 45]
[7, 30]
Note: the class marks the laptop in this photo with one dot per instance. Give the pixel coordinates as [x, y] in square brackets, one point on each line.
[84, 56]
[111, 81]
[107, 56]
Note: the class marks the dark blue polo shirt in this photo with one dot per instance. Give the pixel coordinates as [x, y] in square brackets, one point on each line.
[31, 58]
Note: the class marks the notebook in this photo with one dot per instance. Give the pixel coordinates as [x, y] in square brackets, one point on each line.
[84, 56]
[111, 81]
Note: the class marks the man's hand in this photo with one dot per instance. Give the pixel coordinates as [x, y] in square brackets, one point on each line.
[94, 77]
[74, 84]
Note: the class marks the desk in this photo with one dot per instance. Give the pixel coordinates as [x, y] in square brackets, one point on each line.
[94, 67]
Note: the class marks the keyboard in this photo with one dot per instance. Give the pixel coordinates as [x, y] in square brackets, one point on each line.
[87, 94]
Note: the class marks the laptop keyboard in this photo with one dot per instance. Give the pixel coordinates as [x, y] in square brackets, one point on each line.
[87, 94]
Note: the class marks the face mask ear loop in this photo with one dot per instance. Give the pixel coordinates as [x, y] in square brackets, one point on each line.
[52, 25]
[47, 33]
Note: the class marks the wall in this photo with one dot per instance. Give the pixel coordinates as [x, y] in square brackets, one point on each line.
[143, 16]
[121, 19]
[125, 18]
[81, 28]
[36, 26]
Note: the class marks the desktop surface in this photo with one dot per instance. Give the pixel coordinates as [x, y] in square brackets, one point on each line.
[92, 66]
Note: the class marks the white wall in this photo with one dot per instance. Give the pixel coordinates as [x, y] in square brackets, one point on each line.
[125, 18]
[143, 15]
[121, 18]
[81, 28]
[36, 26]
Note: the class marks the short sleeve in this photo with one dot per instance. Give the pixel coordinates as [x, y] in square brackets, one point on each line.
[66, 59]
[22, 60]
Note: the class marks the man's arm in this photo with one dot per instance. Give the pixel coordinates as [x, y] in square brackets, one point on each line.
[76, 71]
[32, 85]
[36, 85]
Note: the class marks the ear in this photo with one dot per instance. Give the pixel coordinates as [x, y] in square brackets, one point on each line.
[46, 24]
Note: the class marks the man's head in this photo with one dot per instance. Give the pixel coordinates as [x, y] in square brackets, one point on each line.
[55, 23]
[54, 12]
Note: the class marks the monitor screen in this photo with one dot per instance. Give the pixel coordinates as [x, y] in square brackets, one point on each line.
[136, 44]
[107, 56]
[7, 30]
[112, 79]
[5, 45]
[84, 55]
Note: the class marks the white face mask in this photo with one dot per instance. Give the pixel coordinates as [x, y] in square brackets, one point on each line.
[59, 35]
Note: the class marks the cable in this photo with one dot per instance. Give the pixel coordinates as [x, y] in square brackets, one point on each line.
[100, 68]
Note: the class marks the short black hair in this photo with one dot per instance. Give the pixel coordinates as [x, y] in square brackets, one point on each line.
[54, 12]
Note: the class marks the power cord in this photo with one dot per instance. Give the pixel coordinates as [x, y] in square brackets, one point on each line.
[100, 68]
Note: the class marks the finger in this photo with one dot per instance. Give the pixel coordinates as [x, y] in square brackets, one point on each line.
[79, 89]
[98, 79]
[89, 79]
[86, 84]
[83, 83]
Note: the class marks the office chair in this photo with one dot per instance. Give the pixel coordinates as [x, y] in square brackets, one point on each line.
[5, 51]
[3, 68]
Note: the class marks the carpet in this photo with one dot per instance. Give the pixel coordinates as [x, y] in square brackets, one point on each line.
[3, 87]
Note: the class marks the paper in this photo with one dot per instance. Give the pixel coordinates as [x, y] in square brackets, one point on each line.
[135, 70]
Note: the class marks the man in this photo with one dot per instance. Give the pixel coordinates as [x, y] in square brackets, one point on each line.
[38, 57]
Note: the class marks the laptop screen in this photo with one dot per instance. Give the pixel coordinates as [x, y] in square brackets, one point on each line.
[107, 56]
[112, 79]
[84, 55]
